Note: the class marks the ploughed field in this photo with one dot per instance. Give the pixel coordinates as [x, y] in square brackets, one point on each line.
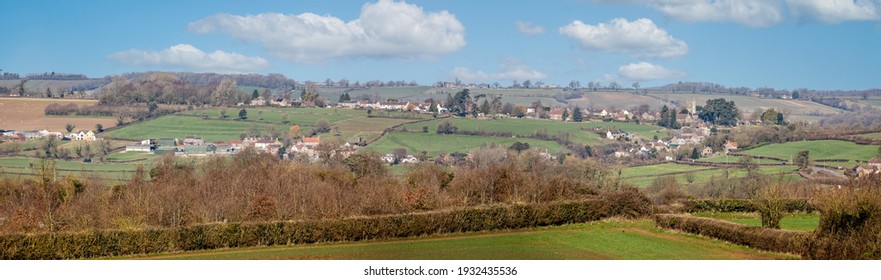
[28, 114]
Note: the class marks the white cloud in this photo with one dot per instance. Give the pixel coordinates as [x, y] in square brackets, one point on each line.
[762, 13]
[640, 37]
[644, 71]
[510, 70]
[835, 11]
[528, 28]
[187, 57]
[386, 29]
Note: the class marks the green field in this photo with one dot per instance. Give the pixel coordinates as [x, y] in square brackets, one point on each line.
[660, 169]
[643, 176]
[618, 240]
[823, 149]
[302, 116]
[435, 144]
[21, 168]
[734, 159]
[181, 126]
[792, 221]
[876, 135]
[647, 131]
[517, 127]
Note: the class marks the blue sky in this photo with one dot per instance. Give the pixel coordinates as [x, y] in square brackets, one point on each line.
[821, 44]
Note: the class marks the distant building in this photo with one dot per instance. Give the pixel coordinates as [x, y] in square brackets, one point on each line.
[730, 146]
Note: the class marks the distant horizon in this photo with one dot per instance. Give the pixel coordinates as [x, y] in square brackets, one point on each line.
[777, 44]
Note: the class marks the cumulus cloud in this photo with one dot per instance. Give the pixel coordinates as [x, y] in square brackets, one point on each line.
[528, 28]
[644, 71]
[640, 37]
[187, 57]
[510, 70]
[385, 29]
[754, 13]
[835, 11]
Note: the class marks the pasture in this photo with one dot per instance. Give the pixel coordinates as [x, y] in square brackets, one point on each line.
[434, 144]
[112, 171]
[876, 135]
[517, 127]
[603, 240]
[28, 114]
[643, 176]
[791, 221]
[294, 115]
[181, 126]
[822, 149]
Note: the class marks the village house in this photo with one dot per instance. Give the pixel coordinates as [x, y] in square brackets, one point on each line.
[82, 136]
[615, 134]
[557, 113]
[348, 105]
[730, 146]
[259, 101]
[267, 145]
[281, 102]
[707, 151]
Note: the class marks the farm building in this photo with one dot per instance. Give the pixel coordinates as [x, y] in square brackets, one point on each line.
[139, 148]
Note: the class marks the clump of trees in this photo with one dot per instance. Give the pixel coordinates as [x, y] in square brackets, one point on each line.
[168, 88]
[253, 186]
[719, 112]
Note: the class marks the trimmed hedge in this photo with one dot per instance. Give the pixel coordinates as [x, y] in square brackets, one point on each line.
[785, 241]
[741, 205]
[212, 236]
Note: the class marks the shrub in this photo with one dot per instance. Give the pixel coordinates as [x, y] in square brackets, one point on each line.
[771, 204]
[777, 240]
[850, 222]
[224, 235]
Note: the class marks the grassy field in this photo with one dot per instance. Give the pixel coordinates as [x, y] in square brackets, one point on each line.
[734, 159]
[366, 128]
[792, 221]
[876, 135]
[824, 149]
[617, 240]
[647, 131]
[643, 176]
[27, 114]
[435, 144]
[181, 126]
[799, 110]
[517, 127]
[21, 168]
[295, 115]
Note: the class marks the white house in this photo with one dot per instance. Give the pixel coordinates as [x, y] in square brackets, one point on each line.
[82, 136]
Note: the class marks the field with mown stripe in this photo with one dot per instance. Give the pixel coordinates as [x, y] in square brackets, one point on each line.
[610, 239]
[181, 126]
[434, 144]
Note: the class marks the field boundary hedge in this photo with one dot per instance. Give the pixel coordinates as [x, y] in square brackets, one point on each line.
[74, 245]
[742, 205]
[777, 240]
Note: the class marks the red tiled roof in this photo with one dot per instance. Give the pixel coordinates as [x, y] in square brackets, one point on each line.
[311, 140]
